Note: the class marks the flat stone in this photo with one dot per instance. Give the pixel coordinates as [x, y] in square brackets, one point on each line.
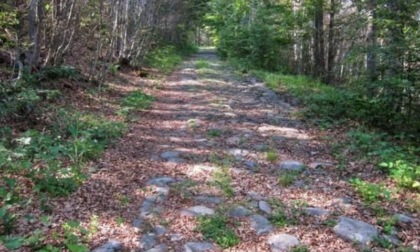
[392, 239]
[265, 207]
[109, 246]
[197, 211]
[239, 211]
[291, 165]
[235, 140]
[208, 199]
[251, 164]
[170, 155]
[314, 211]
[238, 153]
[198, 246]
[160, 181]
[139, 224]
[162, 190]
[176, 160]
[355, 230]
[402, 218]
[146, 208]
[159, 248]
[260, 224]
[229, 114]
[160, 230]
[282, 242]
[147, 241]
[176, 237]
[254, 195]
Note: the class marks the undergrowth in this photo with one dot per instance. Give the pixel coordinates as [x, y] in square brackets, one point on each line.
[217, 228]
[327, 106]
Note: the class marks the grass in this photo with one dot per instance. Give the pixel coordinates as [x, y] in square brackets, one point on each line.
[217, 228]
[286, 178]
[223, 180]
[166, 58]
[371, 193]
[214, 133]
[202, 64]
[271, 155]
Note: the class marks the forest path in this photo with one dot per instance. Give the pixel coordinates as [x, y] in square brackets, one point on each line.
[219, 144]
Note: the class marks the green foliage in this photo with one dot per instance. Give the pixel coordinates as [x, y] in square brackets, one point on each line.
[271, 155]
[286, 178]
[166, 58]
[73, 139]
[216, 228]
[370, 193]
[138, 100]
[202, 64]
[214, 133]
[279, 218]
[223, 179]
[300, 248]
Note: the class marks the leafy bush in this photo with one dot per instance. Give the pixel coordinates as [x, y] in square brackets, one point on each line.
[164, 58]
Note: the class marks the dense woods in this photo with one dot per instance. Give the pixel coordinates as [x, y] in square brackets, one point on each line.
[369, 48]
[315, 100]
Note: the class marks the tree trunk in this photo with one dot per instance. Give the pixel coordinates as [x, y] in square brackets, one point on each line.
[331, 44]
[319, 51]
[371, 56]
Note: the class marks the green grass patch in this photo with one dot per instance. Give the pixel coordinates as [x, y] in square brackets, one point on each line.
[217, 228]
[272, 155]
[286, 178]
[138, 100]
[202, 64]
[166, 58]
[223, 180]
[214, 133]
[370, 193]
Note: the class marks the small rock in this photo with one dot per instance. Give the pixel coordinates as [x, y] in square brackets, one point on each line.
[159, 230]
[282, 242]
[265, 207]
[254, 195]
[208, 199]
[146, 208]
[162, 190]
[314, 211]
[139, 224]
[259, 147]
[291, 165]
[235, 140]
[260, 224]
[110, 246]
[392, 239]
[198, 246]
[238, 153]
[402, 218]
[251, 164]
[170, 154]
[159, 248]
[229, 114]
[355, 230]
[160, 181]
[197, 211]
[239, 211]
[176, 237]
[147, 241]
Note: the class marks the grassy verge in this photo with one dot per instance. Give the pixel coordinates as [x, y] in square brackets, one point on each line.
[49, 159]
[326, 106]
